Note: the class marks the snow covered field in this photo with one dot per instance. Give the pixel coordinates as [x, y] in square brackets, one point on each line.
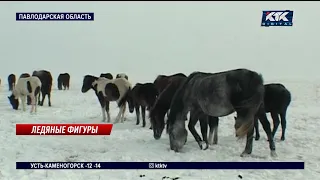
[144, 39]
[129, 142]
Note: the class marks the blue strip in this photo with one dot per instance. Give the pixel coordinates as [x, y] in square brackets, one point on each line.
[54, 16]
[159, 165]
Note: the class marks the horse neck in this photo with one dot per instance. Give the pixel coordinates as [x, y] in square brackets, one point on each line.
[177, 107]
[15, 92]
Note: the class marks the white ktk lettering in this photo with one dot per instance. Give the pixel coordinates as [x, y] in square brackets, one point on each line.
[277, 16]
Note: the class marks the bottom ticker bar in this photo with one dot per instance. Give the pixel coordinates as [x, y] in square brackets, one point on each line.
[159, 165]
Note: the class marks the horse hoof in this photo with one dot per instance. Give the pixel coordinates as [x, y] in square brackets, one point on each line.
[201, 143]
[207, 147]
[257, 138]
[282, 138]
[274, 154]
[245, 154]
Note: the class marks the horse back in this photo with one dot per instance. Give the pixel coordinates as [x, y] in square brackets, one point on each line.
[145, 94]
[234, 86]
[27, 85]
[277, 97]
[46, 80]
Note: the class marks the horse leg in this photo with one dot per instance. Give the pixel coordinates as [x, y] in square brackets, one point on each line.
[276, 122]
[43, 98]
[119, 114]
[266, 126]
[193, 121]
[102, 102]
[32, 104]
[39, 103]
[256, 127]
[283, 124]
[213, 124]
[28, 100]
[143, 112]
[23, 99]
[49, 99]
[204, 129]
[107, 108]
[123, 112]
[137, 108]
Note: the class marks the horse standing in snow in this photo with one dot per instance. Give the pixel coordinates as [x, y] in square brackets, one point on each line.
[11, 81]
[46, 81]
[106, 75]
[29, 86]
[162, 105]
[64, 80]
[144, 95]
[122, 75]
[277, 98]
[110, 90]
[24, 75]
[218, 95]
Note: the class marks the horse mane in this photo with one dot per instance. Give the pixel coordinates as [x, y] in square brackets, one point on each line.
[165, 98]
[177, 102]
[160, 103]
[179, 74]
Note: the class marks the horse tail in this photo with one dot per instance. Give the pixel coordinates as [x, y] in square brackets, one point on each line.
[288, 96]
[256, 88]
[124, 98]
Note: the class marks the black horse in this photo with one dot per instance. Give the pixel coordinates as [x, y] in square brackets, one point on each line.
[64, 81]
[162, 105]
[46, 81]
[162, 81]
[277, 98]
[24, 75]
[218, 95]
[106, 75]
[11, 81]
[143, 95]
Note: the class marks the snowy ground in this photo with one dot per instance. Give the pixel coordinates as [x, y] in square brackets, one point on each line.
[129, 142]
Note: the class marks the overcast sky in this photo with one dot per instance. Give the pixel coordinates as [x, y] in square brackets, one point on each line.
[144, 39]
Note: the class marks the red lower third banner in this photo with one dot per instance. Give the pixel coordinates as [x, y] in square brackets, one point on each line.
[63, 129]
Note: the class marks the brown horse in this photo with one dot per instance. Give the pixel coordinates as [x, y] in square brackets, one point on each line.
[162, 81]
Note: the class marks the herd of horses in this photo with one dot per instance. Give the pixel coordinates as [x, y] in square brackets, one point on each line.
[169, 99]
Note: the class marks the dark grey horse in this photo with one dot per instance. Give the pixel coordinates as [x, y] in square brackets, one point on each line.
[218, 95]
[162, 105]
